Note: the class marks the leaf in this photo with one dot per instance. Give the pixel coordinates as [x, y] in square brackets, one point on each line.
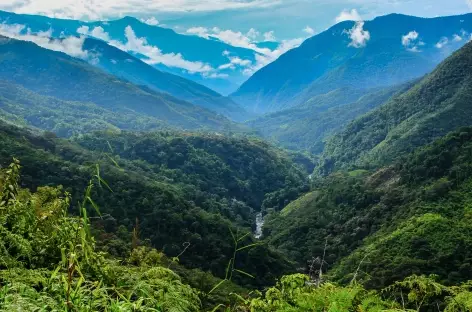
[244, 236]
[245, 273]
[249, 246]
[217, 285]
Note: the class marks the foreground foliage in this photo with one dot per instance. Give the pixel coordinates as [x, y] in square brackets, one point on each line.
[48, 262]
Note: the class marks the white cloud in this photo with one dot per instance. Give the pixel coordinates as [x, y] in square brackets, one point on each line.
[252, 34]
[152, 54]
[441, 43]
[97, 9]
[346, 15]
[97, 32]
[457, 38]
[358, 35]
[235, 62]
[412, 42]
[269, 36]
[155, 56]
[199, 31]
[150, 21]
[72, 46]
[309, 31]
[469, 3]
[263, 59]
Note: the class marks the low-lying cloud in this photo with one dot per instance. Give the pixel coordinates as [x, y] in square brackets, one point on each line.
[346, 15]
[152, 54]
[72, 45]
[263, 56]
[358, 35]
[412, 41]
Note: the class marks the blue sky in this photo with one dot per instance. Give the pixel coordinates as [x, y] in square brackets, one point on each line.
[279, 19]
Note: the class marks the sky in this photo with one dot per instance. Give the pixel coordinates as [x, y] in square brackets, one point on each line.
[269, 19]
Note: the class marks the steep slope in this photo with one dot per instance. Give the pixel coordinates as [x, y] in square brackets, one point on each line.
[329, 61]
[21, 106]
[409, 218]
[170, 44]
[306, 127]
[56, 74]
[124, 65]
[178, 187]
[438, 104]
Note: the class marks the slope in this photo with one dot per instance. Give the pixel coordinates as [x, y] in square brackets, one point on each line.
[174, 190]
[195, 51]
[329, 60]
[436, 105]
[56, 74]
[409, 218]
[308, 126]
[126, 66]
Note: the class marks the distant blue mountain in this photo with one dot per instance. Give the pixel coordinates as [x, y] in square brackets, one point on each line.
[192, 48]
[107, 99]
[397, 49]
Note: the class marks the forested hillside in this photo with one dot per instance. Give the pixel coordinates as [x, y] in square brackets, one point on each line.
[56, 74]
[124, 188]
[412, 217]
[49, 260]
[126, 66]
[306, 127]
[438, 104]
[177, 189]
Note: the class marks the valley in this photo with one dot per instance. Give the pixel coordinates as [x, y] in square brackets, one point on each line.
[337, 177]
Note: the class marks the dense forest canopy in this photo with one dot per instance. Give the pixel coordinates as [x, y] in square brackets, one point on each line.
[125, 188]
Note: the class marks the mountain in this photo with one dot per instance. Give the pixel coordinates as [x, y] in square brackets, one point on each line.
[396, 49]
[436, 105]
[378, 227]
[126, 66]
[178, 186]
[58, 75]
[173, 52]
[306, 127]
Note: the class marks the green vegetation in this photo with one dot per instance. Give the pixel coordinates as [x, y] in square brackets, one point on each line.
[176, 188]
[413, 217]
[49, 262]
[109, 100]
[438, 104]
[308, 126]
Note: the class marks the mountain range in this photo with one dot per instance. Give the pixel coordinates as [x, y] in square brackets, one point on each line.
[127, 106]
[190, 56]
[368, 188]
[386, 51]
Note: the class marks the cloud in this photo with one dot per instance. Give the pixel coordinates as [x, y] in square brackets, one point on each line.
[269, 36]
[263, 56]
[155, 56]
[97, 32]
[469, 3]
[72, 46]
[97, 9]
[199, 31]
[252, 34]
[441, 43]
[309, 31]
[457, 38]
[346, 15]
[152, 54]
[235, 62]
[263, 59]
[358, 35]
[412, 42]
[150, 21]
